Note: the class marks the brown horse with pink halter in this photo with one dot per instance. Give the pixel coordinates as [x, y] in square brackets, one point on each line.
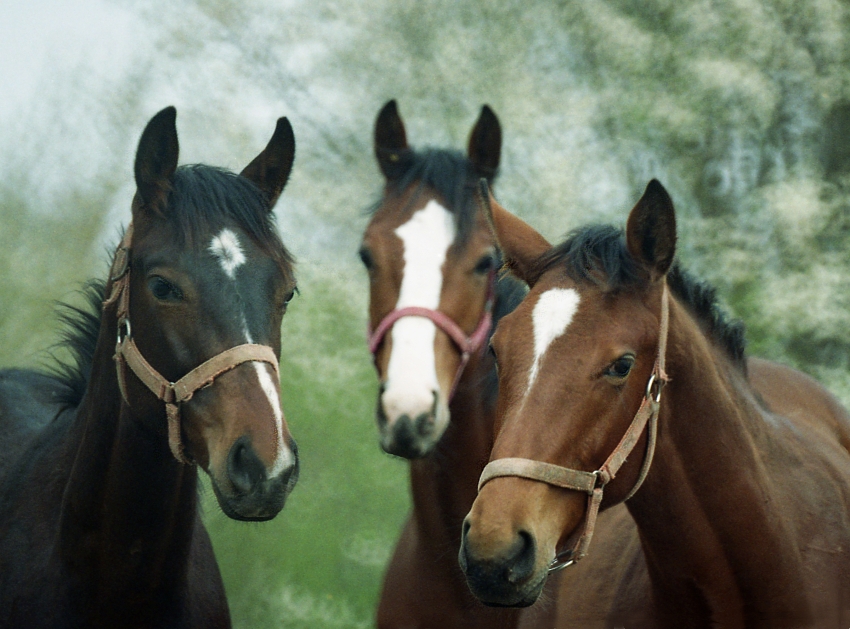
[741, 499]
[432, 262]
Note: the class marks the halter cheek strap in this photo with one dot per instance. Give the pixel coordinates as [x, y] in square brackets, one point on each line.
[127, 354]
[593, 483]
[467, 345]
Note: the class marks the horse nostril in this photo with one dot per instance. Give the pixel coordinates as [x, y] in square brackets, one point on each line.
[244, 468]
[290, 475]
[462, 556]
[403, 431]
[522, 562]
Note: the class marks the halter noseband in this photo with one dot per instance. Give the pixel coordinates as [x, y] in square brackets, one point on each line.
[467, 345]
[593, 483]
[127, 354]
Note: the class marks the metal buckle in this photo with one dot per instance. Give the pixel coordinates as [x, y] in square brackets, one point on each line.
[561, 561]
[654, 396]
[124, 330]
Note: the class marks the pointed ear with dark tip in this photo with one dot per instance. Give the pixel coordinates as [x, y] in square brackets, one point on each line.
[651, 230]
[270, 169]
[390, 140]
[485, 144]
[521, 244]
[156, 160]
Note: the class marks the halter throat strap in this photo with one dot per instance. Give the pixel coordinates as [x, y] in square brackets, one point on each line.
[593, 483]
[467, 345]
[127, 354]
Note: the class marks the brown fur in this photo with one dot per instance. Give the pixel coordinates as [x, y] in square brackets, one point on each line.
[743, 520]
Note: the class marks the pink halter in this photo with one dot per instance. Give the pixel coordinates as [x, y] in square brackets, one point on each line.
[467, 345]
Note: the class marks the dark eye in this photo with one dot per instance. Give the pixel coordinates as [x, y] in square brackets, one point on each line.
[486, 264]
[164, 290]
[366, 258]
[290, 295]
[621, 367]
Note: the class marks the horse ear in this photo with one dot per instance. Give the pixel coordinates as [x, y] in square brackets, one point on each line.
[270, 169]
[485, 144]
[651, 230]
[521, 244]
[390, 140]
[156, 160]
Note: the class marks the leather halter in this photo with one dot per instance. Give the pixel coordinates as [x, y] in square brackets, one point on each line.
[127, 354]
[593, 483]
[467, 345]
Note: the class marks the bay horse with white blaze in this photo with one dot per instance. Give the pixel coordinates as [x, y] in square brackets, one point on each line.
[739, 491]
[99, 513]
[432, 260]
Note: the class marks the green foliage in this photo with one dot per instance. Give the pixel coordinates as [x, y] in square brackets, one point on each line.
[43, 257]
[320, 562]
[740, 107]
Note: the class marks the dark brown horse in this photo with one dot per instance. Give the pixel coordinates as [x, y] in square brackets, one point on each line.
[99, 521]
[431, 260]
[742, 516]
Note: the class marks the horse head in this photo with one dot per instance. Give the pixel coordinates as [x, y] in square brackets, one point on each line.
[431, 259]
[205, 286]
[580, 361]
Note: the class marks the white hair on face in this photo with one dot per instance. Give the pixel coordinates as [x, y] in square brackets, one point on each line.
[551, 316]
[229, 252]
[412, 372]
[226, 247]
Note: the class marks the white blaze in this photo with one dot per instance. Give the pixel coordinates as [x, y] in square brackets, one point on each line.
[284, 458]
[552, 313]
[412, 372]
[229, 252]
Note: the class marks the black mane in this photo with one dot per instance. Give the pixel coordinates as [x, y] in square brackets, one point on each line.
[202, 198]
[509, 293]
[80, 329]
[598, 255]
[450, 174]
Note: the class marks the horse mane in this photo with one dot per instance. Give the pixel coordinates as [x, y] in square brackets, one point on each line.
[202, 198]
[598, 255]
[509, 294]
[450, 174]
[80, 329]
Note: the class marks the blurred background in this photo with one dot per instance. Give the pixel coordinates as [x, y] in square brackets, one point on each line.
[740, 107]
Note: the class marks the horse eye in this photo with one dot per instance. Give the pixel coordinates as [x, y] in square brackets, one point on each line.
[366, 258]
[164, 290]
[290, 295]
[485, 264]
[621, 367]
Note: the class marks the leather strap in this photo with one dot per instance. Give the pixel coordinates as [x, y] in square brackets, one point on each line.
[467, 345]
[127, 354]
[593, 483]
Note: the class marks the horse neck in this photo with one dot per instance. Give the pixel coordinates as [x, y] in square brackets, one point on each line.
[128, 509]
[444, 484]
[707, 514]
